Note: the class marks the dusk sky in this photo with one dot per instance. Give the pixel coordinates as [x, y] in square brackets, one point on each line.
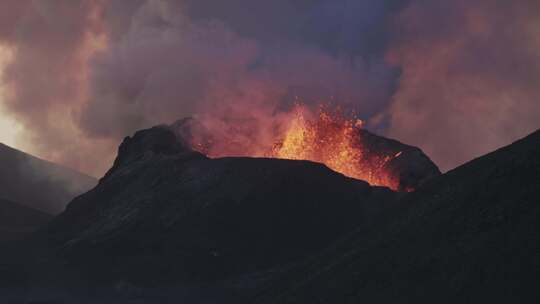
[455, 78]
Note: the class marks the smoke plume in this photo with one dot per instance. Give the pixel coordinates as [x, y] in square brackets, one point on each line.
[87, 73]
[470, 75]
[45, 83]
[456, 78]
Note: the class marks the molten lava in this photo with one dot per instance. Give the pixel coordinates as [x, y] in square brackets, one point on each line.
[324, 136]
[333, 140]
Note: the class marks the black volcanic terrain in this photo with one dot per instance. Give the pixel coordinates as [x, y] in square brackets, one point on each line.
[16, 220]
[469, 236]
[170, 225]
[37, 183]
[168, 217]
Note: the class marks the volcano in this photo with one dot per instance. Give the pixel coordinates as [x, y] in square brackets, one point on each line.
[165, 215]
[168, 224]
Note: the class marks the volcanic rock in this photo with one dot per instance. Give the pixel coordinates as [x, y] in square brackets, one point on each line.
[168, 217]
[167, 224]
[471, 235]
[17, 220]
[410, 165]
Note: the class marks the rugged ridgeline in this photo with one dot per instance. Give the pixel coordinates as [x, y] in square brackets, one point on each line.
[209, 229]
[37, 183]
[402, 166]
[17, 220]
[168, 225]
[469, 236]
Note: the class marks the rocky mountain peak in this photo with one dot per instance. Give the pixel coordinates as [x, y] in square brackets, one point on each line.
[157, 141]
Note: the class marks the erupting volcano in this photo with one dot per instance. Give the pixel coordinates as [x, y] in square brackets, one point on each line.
[333, 140]
[325, 136]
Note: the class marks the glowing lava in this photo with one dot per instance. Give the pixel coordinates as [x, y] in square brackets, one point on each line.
[333, 140]
[323, 136]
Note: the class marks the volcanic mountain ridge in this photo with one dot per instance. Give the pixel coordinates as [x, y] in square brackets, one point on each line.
[168, 224]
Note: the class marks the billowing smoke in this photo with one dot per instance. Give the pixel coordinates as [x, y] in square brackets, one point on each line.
[45, 82]
[163, 60]
[84, 74]
[166, 64]
[470, 76]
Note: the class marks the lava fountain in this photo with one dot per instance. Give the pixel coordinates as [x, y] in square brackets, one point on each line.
[324, 136]
[334, 140]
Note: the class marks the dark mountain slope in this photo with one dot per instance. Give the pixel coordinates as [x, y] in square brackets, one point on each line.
[17, 220]
[37, 183]
[469, 236]
[167, 217]
[168, 225]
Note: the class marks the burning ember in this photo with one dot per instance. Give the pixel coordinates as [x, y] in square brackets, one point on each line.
[333, 140]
